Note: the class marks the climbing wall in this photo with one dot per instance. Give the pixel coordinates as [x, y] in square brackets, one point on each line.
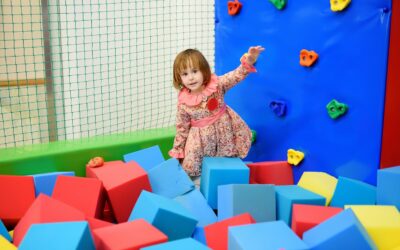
[352, 48]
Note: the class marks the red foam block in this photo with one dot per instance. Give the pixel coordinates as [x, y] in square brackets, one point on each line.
[304, 217]
[45, 209]
[123, 182]
[130, 235]
[271, 172]
[17, 194]
[85, 194]
[216, 234]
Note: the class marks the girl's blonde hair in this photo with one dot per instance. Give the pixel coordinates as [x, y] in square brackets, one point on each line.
[190, 58]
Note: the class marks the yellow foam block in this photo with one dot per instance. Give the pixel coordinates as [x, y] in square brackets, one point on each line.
[382, 224]
[320, 183]
[5, 244]
[11, 234]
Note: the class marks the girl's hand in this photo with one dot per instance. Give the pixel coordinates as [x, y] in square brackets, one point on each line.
[253, 54]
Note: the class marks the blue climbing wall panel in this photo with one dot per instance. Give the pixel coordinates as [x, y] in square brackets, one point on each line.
[351, 68]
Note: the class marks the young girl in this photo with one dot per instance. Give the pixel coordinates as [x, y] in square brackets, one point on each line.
[205, 125]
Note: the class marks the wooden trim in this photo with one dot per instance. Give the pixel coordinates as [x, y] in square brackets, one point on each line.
[14, 83]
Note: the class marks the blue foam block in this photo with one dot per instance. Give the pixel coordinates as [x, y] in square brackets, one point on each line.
[221, 171]
[388, 187]
[256, 199]
[44, 183]
[353, 192]
[169, 179]
[342, 231]
[61, 235]
[167, 215]
[286, 196]
[195, 202]
[264, 236]
[147, 158]
[199, 235]
[4, 232]
[183, 244]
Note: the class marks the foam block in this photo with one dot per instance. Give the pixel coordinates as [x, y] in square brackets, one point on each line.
[45, 209]
[44, 183]
[271, 172]
[388, 187]
[264, 236]
[183, 244]
[286, 196]
[147, 158]
[342, 231]
[165, 214]
[199, 235]
[95, 224]
[123, 183]
[353, 192]
[320, 183]
[4, 232]
[195, 203]
[62, 235]
[6, 245]
[169, 179]
[221, 171]
[128, 235]
[216, 234]
[305, 217]
[256, 199]
[17, 193]
[381, 222]
[85, 194]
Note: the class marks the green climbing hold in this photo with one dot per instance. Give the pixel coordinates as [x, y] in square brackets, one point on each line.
[279, 4]
[253, 136]
[336, 109]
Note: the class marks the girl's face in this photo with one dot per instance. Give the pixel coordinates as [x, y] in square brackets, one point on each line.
[192, 78]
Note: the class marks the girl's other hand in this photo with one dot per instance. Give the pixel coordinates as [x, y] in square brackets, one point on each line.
[253, 54]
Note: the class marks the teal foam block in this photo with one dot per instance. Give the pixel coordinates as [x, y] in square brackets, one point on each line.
[4, 232]
[286, 196]
[388, 187]
[256, 199]
[353, 192]
[183, 244]
[44, 183]
[195, 202]
[264, 236]
[60, 235]
[169, 179]
[221, 171]
[147, 158]
[167, 215]
[342, 231]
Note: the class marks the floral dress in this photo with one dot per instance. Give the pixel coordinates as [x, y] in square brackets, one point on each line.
[206, 126]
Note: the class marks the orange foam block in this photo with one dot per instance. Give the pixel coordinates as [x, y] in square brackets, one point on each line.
[271, 172]
[129, 235]
[123, 183]
[17, 193]
[85, 194]
[216, 234]
[45, 209]
[305, 217]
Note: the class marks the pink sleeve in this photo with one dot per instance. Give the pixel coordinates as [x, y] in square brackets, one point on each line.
[182, 132]
[232, 78]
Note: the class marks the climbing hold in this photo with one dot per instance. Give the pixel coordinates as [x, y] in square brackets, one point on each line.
[339, 5]
[278, 107]
[308, 57]
[234, 7]
[279, 4]
[95, 162]
[336, 109]
[253, 136]
[294, 157]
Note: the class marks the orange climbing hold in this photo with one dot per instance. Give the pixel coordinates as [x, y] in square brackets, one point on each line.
[234, 7]
[308, 57]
